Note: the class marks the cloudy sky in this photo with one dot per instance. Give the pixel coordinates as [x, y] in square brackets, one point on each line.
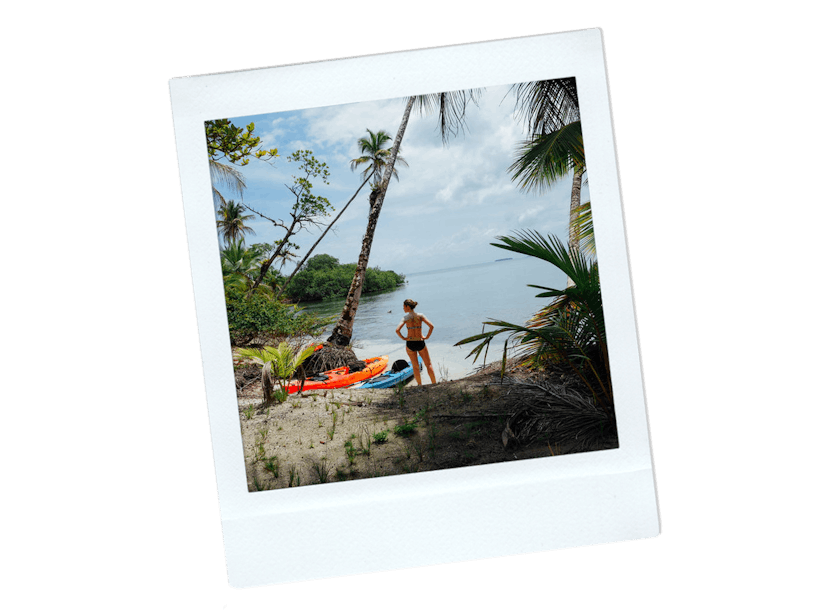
[449, 204]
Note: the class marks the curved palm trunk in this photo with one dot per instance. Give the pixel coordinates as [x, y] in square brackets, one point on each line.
[574, 204]
[341, 334]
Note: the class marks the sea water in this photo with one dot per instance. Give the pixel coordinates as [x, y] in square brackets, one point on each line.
[457, 301]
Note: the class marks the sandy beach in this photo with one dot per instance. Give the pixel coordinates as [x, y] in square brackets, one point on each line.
[326, 436]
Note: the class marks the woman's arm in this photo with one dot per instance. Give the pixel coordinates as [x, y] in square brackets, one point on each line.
[399, 327]
[430, 326]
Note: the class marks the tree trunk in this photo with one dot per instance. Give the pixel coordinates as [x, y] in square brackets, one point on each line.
[574, 203]
[344, 329]
[265, 266]
[301, 263]
[263, 270]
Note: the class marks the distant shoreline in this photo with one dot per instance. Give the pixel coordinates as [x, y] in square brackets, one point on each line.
[475, 265]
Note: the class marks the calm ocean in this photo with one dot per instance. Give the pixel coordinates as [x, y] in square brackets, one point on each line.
[457, 301]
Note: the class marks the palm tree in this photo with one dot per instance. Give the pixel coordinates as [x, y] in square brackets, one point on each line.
[570, 331]
[231, 222]
[547, 105]
[451, 107]
[555, 145]
[224, 174]
[238, 264]
[375, 156]
[280, 362]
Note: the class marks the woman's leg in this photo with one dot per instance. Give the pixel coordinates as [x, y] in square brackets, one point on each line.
[427, 363]
[412, 357]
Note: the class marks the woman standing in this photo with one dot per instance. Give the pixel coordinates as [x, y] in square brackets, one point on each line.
[415, 342]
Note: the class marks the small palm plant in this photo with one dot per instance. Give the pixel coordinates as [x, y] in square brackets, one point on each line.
[569, 331]
[278, 363]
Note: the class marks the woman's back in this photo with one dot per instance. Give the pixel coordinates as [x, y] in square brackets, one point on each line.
[414, 323]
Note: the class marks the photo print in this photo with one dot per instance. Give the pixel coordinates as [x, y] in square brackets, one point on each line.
[401, 315]
[476, 204]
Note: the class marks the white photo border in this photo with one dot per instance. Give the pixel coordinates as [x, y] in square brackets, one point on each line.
[439, 516]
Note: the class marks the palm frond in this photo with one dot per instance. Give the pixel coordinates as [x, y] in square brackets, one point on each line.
[451, 108]
[546, 158]
[375, 156]
[231, 221]
[230, 177]
[551, 249]
[570, 330]
[547, 106]
[584, 227]
[218, 199]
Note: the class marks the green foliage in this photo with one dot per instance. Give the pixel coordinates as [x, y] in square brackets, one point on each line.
[272, 466]
[569, 332]
[308, 205]
[261, 314]
[282, 362]
[231, 222]
[376, 156]
[235, 144]
[238, 263]
[350, 452]
[307, 210]
[584, 228]
[381, 437]
[325, 278]
[321, 262]
[546, 158]
[406, 428]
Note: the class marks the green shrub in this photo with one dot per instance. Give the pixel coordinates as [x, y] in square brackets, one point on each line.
[324, 278]
[248, 317]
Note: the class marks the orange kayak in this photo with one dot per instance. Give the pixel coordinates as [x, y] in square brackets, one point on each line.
[341, 377]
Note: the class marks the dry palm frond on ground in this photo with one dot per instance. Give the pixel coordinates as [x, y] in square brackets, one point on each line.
[556, 413]
[330, 358]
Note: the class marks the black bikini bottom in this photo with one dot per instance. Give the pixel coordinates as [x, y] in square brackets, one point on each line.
[415, 345]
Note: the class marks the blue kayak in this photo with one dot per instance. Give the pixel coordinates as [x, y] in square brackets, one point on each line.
[397, 374]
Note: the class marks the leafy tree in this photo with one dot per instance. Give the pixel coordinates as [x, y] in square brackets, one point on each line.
[262, 315]
[322, 262]
[233, 145]
[375, 156]
[318, 240]
[231, 222]
[305, 211]
[325, 278]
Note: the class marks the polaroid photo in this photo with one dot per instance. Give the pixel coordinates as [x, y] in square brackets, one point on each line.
[410, 357]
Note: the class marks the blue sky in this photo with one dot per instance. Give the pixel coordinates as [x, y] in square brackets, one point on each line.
[449, 204]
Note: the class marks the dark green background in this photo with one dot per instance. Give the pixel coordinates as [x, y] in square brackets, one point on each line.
[110, 485]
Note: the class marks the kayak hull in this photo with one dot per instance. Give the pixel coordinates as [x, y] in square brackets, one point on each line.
[341, 377]
[390, 379]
